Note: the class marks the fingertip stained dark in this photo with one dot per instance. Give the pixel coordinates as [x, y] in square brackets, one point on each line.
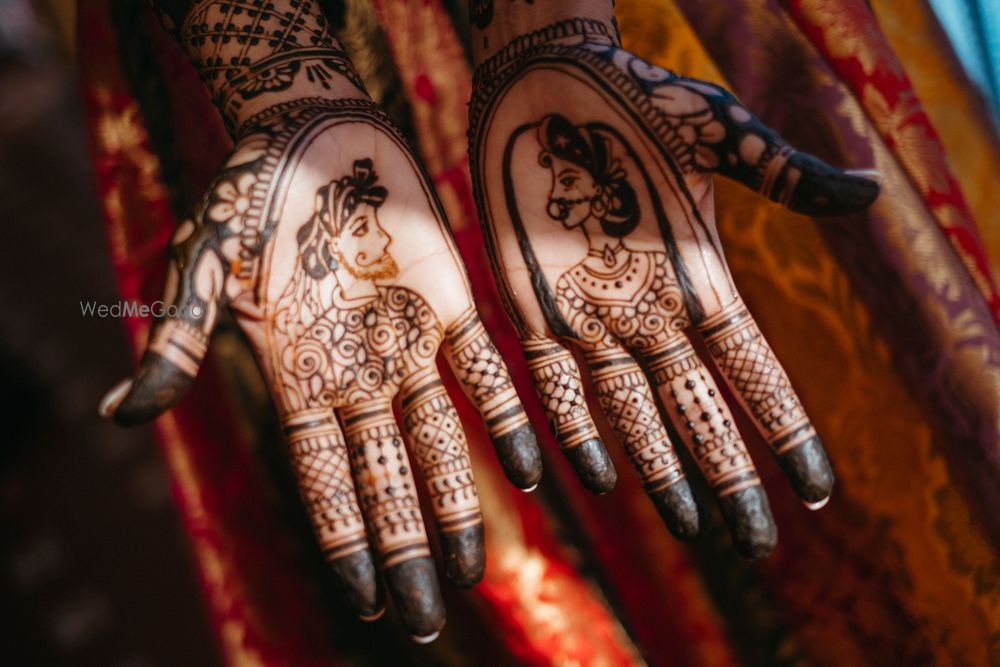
[158, 386]
[593, 466]
[520, 456]
[416, 594]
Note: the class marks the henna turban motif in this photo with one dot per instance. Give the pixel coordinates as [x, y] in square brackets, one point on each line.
[336, 202]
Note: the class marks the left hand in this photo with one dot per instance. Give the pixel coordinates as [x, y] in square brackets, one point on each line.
[593, 175]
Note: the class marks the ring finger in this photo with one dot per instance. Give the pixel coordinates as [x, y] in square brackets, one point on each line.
[630, 407]
[705, 424]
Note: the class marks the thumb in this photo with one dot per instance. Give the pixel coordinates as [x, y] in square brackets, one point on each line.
[179, 338]
[817, 189]
[803, 183]
[736, 144]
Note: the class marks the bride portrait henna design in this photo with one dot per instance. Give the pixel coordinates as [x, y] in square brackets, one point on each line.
[326, 242]
[592, 171]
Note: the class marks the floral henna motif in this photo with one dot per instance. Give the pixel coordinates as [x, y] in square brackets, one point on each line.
[702, 127]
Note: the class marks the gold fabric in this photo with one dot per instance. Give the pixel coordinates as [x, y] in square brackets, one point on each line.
[932, 571]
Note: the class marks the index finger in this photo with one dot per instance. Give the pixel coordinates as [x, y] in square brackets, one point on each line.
[762, 386]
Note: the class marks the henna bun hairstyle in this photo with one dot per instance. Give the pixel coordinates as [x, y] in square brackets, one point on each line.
[335, 203]
[615, 205]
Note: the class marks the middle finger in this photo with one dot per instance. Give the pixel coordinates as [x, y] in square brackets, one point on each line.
[388, 497]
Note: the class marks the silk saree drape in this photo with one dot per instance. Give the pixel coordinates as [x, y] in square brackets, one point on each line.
[885, 321]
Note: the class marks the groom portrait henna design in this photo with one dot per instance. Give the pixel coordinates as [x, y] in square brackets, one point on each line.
[353, 341]
[339, 342]
[325, 240]
[596, 209]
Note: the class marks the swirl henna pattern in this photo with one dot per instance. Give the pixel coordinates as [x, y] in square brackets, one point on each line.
[323, 237]
[595, 203]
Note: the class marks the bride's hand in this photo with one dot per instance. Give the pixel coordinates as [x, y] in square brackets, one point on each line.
[593, 175]
[325, 240]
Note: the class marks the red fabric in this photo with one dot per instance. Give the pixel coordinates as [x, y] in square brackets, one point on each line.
[847, 34]
[262, 608]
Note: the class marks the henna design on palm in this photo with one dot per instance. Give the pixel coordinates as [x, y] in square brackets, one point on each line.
[323, 257]
[595, 203]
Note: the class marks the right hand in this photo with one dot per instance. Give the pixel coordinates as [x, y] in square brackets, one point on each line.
[327, 243]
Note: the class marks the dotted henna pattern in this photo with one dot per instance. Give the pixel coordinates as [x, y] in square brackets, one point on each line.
[386, 488]
[635, 301]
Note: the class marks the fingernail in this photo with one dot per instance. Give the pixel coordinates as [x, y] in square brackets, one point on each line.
[426, 639]
[417, 596]
[531, 488]
[372, 617]
[817, 505]
[113, 398]
[678, 509]
[748, 514]
[870, 174]
[356, 579]
[520, 456]
[464, 555]
[593, 466]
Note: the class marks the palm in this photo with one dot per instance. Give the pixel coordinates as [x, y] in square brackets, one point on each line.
[593, 176]
[325, 240]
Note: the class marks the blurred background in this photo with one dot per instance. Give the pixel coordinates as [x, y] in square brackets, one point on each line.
[183, 543]
[94, 565]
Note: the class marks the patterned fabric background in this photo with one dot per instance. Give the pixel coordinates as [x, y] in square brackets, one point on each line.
[885, 321]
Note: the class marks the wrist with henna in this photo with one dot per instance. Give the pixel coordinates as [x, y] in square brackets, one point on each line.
[592, 171]
[253, 55]
[323, 237]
